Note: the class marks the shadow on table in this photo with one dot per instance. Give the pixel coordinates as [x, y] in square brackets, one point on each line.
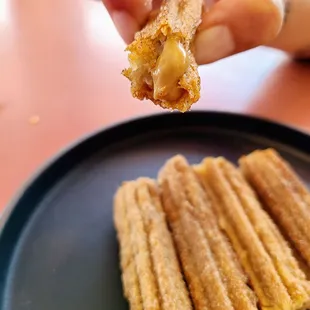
[285, 95]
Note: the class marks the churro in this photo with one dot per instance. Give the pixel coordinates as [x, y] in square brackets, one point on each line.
[162, 66]
[151, 274]
[214, 276]
[263, 252]
[284, 195]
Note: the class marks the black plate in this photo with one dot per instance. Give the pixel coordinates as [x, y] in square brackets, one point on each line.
[58, 246]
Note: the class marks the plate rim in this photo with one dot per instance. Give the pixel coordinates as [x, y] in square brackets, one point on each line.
[54, 158]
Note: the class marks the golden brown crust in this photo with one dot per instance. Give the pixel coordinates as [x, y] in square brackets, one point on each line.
[263, 252]
[151, 274]
[178, 18]
[283, 193]
[218, 228]
[130, 278]
[215, 278]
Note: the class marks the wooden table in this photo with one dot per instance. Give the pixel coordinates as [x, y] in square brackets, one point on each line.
[60, 64]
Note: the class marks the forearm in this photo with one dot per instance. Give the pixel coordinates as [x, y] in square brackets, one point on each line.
[294, 37]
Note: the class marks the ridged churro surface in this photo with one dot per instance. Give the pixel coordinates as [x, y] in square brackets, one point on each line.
[151, 275]
[263, 252]
[283, 193]
[214, 276]
[205, 223]
[177, 19]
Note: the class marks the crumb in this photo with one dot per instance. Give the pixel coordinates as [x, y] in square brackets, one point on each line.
[34, 120]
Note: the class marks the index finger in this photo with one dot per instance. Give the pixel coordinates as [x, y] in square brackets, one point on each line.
[128, 15]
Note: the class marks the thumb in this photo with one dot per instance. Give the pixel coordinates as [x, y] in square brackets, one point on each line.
[128, 15]
[233, 26]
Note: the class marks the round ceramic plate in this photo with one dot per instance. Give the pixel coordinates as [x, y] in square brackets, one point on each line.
[58, 244]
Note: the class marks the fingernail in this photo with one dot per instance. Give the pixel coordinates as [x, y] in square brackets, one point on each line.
[126, 25]
[213, 44]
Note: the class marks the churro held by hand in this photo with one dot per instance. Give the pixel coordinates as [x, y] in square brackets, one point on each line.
[151, 275]
[162, 66]
[263, 252]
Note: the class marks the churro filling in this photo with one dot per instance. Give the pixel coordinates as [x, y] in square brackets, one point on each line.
[170, 67]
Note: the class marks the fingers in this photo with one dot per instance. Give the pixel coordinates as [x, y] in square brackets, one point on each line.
[156, 4]
[229, 27]
[128, 15]
[233, 26]
[138, 9]
[125, 24]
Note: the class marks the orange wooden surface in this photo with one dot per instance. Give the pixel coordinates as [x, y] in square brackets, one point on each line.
[60, 64]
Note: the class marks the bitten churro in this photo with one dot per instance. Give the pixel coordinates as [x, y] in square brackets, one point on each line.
[162, 65]
[214, 276]
[284, 195]
[151, 274]
[263, 252]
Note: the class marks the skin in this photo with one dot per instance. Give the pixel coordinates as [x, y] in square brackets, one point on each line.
[243, 24]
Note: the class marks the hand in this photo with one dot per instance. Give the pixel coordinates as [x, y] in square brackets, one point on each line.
[229, 26]
[129, 16]
[233, 26]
